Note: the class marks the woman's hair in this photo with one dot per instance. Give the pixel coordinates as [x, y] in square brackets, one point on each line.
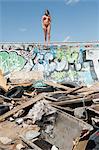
[47, 13]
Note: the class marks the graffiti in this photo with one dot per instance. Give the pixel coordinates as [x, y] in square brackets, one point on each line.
[93, 55]
[11, 61]
[58, 60]
[59, 63]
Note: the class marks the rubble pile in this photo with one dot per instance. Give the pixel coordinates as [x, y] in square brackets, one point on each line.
[43, 115]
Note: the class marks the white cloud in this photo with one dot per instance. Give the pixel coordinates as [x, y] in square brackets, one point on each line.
[22, 29]
[68, 2]
[66, 39]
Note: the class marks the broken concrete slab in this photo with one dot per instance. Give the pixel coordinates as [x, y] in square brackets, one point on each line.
[23, 77]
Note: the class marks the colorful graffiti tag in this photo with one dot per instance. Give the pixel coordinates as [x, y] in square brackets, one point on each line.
[10, 61]
[77, 63]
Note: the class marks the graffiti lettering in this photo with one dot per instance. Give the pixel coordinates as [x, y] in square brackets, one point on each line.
[60, 63]
[11, 61]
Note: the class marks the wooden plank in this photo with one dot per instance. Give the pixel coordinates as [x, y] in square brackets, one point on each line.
[68, 91]
[56, 85]
[56, 92]
[7, 98]
[91, 92]
[89, 89]
[51, 98]
[30, 144]
[64, 97]
[73, 90]
[78, 100]
[24, 105]
[69, 97]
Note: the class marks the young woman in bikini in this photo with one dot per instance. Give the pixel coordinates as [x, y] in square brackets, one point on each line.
[46, 25]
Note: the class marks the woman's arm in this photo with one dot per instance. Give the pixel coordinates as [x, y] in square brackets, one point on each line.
[49, 18]
[43, 20]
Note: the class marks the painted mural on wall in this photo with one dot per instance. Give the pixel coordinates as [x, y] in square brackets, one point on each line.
[10, 61]
[70, 62]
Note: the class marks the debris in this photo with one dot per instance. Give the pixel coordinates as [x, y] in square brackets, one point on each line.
[54, 148]
[19, 146]
[4, 97]
[30, 94]
[96, 100]
[32, 145]
[80, 112]
[93, 142]
[38, 110]
[24, 105]
[68, 90]
[5, 140]
[3, 82]
[19, 113]
[95, 122]
[80, 145]
[4, 109]
[19, 120]
[43, 144]
[94, 108]
[29, 135]
[73, 90]
[15, 92]
[51, 98]
[42, 115]
[56, 85]
[39, 84]
[66, 109]
[23, 76]
[67, 127]
[73, 101]
[49, 128]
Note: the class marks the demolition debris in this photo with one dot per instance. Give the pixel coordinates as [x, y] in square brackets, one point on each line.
[43, 115]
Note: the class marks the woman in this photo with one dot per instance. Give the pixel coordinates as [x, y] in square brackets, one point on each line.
[46, 25]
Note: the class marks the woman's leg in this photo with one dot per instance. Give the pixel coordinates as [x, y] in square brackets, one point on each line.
[48, 33]
[45, 34]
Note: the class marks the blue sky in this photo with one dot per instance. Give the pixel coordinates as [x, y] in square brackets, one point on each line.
[72, 20]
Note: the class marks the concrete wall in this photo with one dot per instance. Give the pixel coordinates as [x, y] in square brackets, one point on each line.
[77, 62]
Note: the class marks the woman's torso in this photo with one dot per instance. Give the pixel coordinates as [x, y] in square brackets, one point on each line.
[46, 20]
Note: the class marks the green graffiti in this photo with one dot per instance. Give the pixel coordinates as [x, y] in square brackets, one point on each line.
[69, 76]
[72, 74]
[60, 54]
[58, 75]
[72, 55]
[59, 63]
[11, 61]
